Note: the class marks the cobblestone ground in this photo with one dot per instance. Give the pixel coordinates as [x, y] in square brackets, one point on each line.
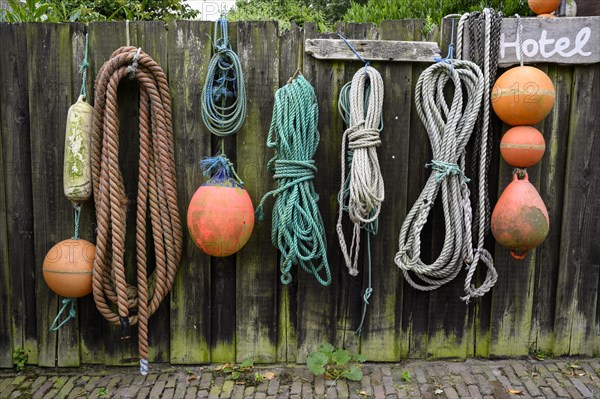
[556, 378]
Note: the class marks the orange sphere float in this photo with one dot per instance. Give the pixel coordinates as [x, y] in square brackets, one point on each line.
[523, 96]
[522, 146]
[520, 218]
[543, 6]
[220, 216]
[68, 268]
[547, 16]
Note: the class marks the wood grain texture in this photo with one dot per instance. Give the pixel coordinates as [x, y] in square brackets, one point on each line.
[256, 298]
[372, 50]
[577, 323]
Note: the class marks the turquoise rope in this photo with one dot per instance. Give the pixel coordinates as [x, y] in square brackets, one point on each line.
[83, 69]
[76, 216]
[224, 92]
[72, 314]
[298, 230]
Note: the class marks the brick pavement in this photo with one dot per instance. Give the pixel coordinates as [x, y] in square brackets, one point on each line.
[484, 379]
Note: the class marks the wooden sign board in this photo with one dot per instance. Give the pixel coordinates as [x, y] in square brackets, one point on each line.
[372, 50]
[564, 40]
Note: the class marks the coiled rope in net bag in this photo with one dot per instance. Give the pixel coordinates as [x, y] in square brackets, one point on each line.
[156, 196]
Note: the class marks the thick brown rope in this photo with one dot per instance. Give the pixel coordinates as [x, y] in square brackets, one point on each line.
[157, 195]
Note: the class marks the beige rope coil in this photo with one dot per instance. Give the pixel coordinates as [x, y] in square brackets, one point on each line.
[157, 196]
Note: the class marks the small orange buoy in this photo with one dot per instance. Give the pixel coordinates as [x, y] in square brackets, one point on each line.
[220, 216]
[523, 96]
[547, 16]
[520, 218]
[68, 268]
[543, 6]
[522, 146]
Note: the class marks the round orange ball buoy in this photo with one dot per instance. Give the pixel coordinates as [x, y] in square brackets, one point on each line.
[68, 268]
[523, 96]
[547, 16]
[220, 216]
[543, 6]
[522, 146]
[520, 218]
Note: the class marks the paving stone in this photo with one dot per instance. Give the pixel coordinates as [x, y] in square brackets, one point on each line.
[205, 380]
[238, 392]
[388, 385]
[552, 367]
[203, 393]
[378, 391]
[191, 393]
[420, 375]
[366, 385]
[467, 378]
[249, 391]
[260, 395]
[451, 393]
[548, 392]
[474, 391]
[66, 388]
[296, 387]
[227, 389]
[41, 391]
[38, 383]
[531, 387]
[520, 370]
[168, 393]
[157, 389]
[462, 389]
[556, 387]
[51, 394]
[585, 392]
[386, 371]
[484, 385]
[143, 393]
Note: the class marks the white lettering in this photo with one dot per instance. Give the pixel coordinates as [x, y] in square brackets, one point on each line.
[534, 47]
[546, 42]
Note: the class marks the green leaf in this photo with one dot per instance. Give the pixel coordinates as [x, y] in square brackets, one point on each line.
[326, 348]
[353, 373]
[360, 358]
[341, 357]
[316, 362]
[246, 364]
[227, 369]
[235, 375]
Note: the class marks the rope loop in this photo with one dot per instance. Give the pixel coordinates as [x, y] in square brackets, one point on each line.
[134, 64]
[76, 216]
[83, 69]
[72, 313]
[446, 169]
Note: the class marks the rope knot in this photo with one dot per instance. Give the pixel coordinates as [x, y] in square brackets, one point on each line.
[298, 171]
[445, 169]
[361, 137]
[134, 65]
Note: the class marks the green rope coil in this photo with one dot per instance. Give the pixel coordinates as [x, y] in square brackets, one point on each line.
[224, 92]
[298, 230]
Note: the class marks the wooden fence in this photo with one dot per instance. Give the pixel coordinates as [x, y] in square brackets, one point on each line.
[235, 308]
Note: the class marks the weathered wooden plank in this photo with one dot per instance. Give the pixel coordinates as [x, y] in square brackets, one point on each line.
[14, 128]
[317, 305]
[256, 300]
[567, 40]
[381, 338]
[552, 191]
[291, 52]
[373, 50]
[49, 66]
[577, 322]
[189, 52]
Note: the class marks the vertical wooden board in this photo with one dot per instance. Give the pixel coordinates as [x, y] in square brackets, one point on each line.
[189, 52]
[14, 129]
[415, 303]
[576, 321]
[153, 37]
[49, 66]
[256, 298]
[552, 179]
[291, 47]
[316, 311]
[381, 339]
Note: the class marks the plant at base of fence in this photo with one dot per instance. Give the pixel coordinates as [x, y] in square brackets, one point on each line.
[19, 358]
[542, 354]
[334, 363]
[236, 370]
[405, 376]
[102, 392]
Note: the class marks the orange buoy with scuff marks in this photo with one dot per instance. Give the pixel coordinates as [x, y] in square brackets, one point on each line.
[522, 146]
[520, 218]
[543, 6]
[547, 16]
[67, 268]
[523, 96]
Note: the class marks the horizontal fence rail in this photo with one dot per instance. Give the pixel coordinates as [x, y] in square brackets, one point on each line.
[234, 308]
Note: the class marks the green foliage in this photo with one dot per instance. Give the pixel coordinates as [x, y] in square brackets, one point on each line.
[235, 370]
[379, 10]
[96, 10]
[334, 363]
[405, 376]
[19, 358]
[283, 11]
[102, 392]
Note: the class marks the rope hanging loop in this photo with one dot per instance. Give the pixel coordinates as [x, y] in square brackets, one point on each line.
[156, 196]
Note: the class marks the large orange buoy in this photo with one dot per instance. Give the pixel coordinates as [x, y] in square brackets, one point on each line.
[68, 268]
[520, 218]
[543, 6]
[547, 16]
[523, 96]
[220, 216]
[522, 146]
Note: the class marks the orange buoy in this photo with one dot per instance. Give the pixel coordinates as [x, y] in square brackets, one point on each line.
[522, 146]
[523, 96]
[547, 16]
[220, 216]
[543, 6]
[520, 218]
[67, 268]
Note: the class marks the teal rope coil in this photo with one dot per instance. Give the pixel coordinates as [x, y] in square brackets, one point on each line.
[298, 230]
[224, 92]
[83, 69]
[71, 314]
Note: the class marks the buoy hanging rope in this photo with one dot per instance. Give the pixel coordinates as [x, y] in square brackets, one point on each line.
[224, 92]
[449, 127]
[156, 196]
[298, 230]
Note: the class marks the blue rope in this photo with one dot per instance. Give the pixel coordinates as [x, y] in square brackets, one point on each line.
[72, 314]
[369, 289]
[76, 216]
[450, 57]
[354, 51]
[445, 169]
[83, 69]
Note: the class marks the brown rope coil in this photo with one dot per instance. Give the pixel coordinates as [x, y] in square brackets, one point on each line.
[157, 195]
